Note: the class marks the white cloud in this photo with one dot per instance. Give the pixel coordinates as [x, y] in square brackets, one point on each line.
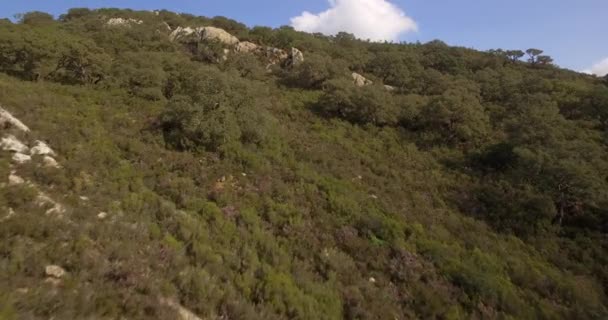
[599, 69]
[376, 20]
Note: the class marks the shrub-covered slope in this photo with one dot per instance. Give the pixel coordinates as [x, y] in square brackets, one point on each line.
[196, 179]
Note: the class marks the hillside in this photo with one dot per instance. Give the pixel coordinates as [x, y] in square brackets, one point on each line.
[163, 166]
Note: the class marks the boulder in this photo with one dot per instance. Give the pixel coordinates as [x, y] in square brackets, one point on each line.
[296, 57]
[21, 158]
[205, 33]
[360, 80]
[14, 179]
[246, 47]
[7, 121]
[217, 34]
[41, 148]
[102, 215]
[54, 271]
[50, 162]
[11, 143]
[180, 32]
[275, 55]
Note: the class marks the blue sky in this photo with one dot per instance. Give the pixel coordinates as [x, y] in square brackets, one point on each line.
[573, 32]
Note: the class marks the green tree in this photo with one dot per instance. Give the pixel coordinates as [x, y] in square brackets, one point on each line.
[457, 116]
[533, 55]
[362, 105]
[514, 55]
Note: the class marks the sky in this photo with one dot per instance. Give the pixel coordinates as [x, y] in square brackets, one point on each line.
[573, 32]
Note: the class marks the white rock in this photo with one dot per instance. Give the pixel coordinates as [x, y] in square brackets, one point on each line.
[119, 22]
[8, 120]
[246, 47]
[389, 88]
[50, 162]
[11, 143]
[14, 179]
[181, 32]
[54, 271]
[41, 148]
[275, 55]
[21, 158]
[296, 57]
[102, 215]
[360, 80]
[217, 34]
[205, 33]
[372, 280]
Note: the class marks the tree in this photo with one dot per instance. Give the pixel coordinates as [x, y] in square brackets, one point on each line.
[533, 55]
[514, 55]
[544, 60]
[395, 67]
[314, 72]
[457, 116]
[361, 105]
[35, 18]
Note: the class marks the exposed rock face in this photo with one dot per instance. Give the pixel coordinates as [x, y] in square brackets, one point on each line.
[21, 158]
[217, 34]
[14, 179]
[7, 120]
[205, 33]
[246, 47]
[50, 162]
[11, 143]
[360, 80]
[275, 55]
[42, 148]
[296, 57]
[181, 32]
[121, 22]
[54, 271]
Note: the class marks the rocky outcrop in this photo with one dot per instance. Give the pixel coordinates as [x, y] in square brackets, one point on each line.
[180, 32]
[21, 158]
[41, 148]
[7, 121]
[14, 179]
[360, 80]
[12, 144]
[217, 34]
[296, 57]
[50, 162]
[246, 47]
[206, 34]
[121, 22]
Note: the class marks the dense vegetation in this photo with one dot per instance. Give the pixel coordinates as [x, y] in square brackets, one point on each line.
[478, 188]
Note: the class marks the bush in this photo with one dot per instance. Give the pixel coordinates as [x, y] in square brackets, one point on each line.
[361, 105]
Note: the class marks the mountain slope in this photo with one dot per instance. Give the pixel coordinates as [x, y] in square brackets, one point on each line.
[241, 185]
